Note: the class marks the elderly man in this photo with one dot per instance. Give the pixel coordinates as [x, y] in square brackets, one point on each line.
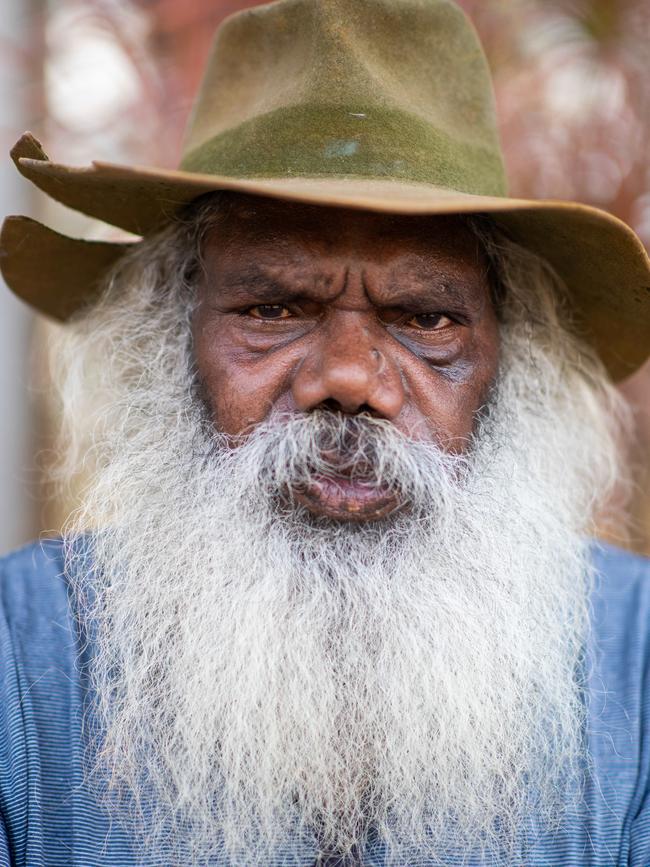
[347, 413]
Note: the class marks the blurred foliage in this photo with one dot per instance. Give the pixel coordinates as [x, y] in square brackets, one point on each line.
[574, 106]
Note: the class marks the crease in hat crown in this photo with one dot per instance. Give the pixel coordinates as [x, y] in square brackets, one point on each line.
[395, 89]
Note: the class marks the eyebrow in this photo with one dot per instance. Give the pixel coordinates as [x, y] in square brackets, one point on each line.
[453, 292]
[253, 282]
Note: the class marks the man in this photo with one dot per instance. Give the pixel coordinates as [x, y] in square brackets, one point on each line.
[347, 413]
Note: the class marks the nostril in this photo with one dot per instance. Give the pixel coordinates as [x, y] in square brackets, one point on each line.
[333, 405]
[368, 410]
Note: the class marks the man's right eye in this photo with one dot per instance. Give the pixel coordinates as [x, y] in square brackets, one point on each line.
[269, 311]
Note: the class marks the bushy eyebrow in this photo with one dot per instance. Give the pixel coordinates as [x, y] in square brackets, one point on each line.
[253, 282]
[436, 290]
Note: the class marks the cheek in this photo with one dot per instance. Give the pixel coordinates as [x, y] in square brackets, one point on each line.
[448, 399]
[241, 389]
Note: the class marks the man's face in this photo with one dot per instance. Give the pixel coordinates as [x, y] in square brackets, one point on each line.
[303, 307]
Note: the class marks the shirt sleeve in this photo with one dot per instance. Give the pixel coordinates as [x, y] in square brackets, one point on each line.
[639, 853]
[17, 780]
[12, 806]
[640, 825]
[5, 857]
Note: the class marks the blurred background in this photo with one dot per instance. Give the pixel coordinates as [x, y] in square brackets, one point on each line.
[114, 80]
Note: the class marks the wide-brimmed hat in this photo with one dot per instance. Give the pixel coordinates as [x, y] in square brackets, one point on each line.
[382, 105]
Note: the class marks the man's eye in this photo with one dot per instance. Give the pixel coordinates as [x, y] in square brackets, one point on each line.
[429, 321]
[269, 311]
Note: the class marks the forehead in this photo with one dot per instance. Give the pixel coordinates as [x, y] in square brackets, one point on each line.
[310, 235]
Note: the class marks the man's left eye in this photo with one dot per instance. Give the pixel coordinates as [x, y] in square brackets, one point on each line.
[269, 311]
[429, 321]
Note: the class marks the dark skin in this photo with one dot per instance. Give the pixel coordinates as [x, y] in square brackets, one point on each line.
[304, 307]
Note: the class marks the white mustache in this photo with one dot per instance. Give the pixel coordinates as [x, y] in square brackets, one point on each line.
[294, 451]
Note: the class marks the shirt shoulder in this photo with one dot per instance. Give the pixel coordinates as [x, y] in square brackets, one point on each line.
[620, 633]
[620, 563]
[33, 587]
[621, 598]
[38, 649]
[619, 703]
[39, 641]
[37, 631]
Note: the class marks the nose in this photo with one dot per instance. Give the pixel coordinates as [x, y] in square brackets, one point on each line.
[349, 369]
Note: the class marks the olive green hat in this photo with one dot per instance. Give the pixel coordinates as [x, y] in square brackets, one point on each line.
[383, 105]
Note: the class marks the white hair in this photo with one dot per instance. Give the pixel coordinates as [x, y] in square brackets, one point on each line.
[266, 683]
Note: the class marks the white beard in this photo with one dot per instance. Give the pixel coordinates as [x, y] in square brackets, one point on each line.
[260, 675]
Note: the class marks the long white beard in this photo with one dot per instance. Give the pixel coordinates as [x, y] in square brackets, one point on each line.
[263, 678]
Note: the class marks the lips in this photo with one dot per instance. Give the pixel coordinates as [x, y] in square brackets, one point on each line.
[347, 498]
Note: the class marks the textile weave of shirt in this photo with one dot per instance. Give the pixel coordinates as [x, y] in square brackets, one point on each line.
[48, 817]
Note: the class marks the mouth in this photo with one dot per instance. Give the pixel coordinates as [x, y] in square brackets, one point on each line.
[345, 498]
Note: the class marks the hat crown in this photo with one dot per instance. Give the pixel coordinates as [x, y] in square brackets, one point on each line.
[352, 88]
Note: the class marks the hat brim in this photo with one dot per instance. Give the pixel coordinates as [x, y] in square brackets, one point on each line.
[600, 259]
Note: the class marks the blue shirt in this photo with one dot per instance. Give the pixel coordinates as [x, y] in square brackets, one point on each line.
[48, 817]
